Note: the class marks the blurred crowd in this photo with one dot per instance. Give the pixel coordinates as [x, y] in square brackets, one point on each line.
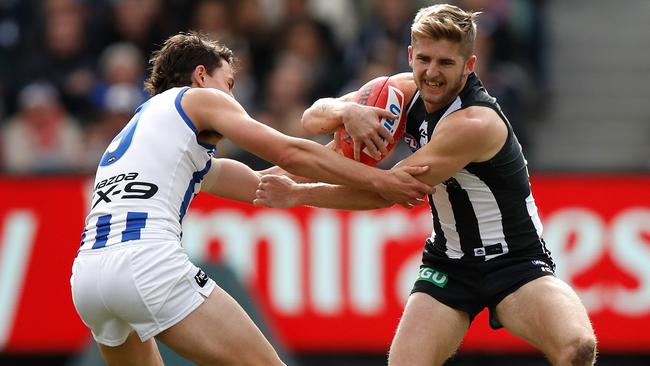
[72, 71]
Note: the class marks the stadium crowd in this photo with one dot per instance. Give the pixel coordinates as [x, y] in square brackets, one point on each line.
[72, 71]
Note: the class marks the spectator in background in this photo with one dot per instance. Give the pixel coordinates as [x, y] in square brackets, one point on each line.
[517, 30]
[42, 137]
[118, 106]
[339, 17]
[367, 72]
[385, 36]
[247, 89]
[296, 11]
[507, 81]
[287, 95]
[251, 25]
[311, 42]
[501, 67]
[9, 40]
[61, 55]
[119, 64]
[213, 17]
[140, 22]
[72, 44]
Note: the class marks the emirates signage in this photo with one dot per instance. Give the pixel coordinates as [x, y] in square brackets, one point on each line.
[331, 280]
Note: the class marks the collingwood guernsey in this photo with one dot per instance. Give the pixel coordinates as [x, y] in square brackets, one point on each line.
[486, 209]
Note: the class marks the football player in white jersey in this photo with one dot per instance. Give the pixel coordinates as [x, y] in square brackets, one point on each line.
[131, 280]
[486, 249]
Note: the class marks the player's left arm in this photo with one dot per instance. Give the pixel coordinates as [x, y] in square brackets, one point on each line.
[473, 134]
[276, 170]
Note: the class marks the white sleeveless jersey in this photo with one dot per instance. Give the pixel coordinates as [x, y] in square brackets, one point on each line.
[148, 176]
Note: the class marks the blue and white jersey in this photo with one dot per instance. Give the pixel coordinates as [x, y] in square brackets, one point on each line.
[147, 176]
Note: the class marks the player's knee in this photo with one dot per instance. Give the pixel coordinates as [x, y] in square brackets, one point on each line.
[580, 352]
[585, 353]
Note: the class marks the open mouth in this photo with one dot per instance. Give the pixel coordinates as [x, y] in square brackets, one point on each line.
[434, 84]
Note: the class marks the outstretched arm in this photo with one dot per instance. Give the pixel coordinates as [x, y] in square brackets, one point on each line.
[212, 110]
[281, 192]
[231, 179]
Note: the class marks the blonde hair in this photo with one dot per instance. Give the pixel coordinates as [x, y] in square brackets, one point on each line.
[448, 22]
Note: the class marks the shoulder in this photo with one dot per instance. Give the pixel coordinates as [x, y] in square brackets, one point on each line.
[206, 104]
[476, 128]
[474, 119]
[200, 96]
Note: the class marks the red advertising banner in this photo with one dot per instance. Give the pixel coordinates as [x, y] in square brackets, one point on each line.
[330, 280]
[40, 221]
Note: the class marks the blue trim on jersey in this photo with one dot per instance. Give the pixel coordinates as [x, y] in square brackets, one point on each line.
[180, 110]
[125, 137]
[83, 237]
[103, 229]
[135, 222]
[188, 121]
[197, 177]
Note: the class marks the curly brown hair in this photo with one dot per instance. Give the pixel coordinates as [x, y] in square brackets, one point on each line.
[174, 63]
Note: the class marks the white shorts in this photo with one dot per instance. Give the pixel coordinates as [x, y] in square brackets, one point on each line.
[141, 286]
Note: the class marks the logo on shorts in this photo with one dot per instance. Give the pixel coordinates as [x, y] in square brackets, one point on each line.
[201, 278]
[542, 265]
[431, 275]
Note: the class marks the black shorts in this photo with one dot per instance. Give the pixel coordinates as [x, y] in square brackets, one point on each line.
[470, 285]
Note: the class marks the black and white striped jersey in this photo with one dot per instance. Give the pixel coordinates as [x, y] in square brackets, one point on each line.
[486, 209]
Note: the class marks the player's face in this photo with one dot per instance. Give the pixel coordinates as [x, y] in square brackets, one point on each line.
[439, 70]
[222, 78]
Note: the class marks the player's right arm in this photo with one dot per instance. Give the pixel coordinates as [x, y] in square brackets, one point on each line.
[326, 114]
[213, 110]
[363, 123]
